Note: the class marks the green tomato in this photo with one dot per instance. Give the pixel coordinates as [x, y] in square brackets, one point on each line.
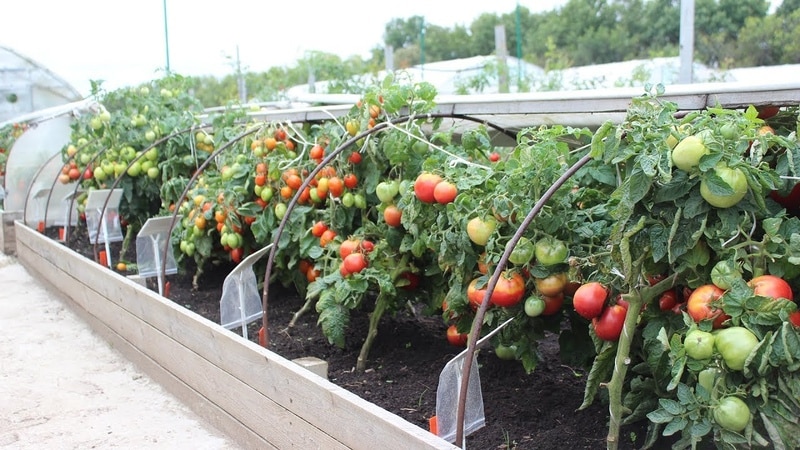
[534, 306]
[522, 252]
[387, 190]
[699, 344]
[280, 210]
[505, 352]
[724, 274]
[359, 201]
[732, 414]
[735, 345]
[687, 153]
[730, 191]
[550, 251]
[348, 199]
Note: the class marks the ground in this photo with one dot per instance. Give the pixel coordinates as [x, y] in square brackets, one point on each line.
[523, 411]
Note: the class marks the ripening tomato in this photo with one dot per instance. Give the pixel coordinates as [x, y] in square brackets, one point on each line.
[479, 229]
[424, 186]
[456, 338]
[608, 326]
[551, 285]
[771, 286]
[589, 299]
[698, 305]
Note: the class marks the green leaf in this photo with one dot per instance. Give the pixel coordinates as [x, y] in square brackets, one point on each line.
[600, 372]
[675, 426]
[660, 415]
[671, 406]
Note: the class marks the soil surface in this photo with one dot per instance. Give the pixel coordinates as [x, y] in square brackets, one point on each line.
[523, 411]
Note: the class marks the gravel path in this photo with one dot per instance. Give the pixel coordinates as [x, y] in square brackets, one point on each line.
[63, 387]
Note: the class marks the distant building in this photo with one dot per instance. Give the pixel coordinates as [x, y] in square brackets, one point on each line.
[481, 75]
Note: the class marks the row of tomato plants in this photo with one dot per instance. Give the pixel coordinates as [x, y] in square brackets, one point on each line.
[387, 206]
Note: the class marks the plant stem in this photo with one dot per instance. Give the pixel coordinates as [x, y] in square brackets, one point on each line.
[374, 318]
[621, 362]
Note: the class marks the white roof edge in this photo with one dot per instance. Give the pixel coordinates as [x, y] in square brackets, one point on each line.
[53, 112]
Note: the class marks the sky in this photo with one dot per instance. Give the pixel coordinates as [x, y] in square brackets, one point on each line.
[124, 43]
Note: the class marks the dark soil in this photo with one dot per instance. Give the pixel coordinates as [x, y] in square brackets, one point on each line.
[523, 411]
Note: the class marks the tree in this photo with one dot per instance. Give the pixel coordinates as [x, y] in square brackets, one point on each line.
[770, 40]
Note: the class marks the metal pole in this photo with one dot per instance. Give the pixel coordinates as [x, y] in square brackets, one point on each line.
[686, 41]
[422, 50]
[166, 34]
[519, 45]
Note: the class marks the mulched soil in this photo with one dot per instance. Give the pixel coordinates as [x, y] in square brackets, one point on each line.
[523, 411]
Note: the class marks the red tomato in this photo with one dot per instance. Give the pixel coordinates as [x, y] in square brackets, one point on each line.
[392, 216]
[413, 280]
[508, 291]
[424, 186]
[347, 247]
[354, 158]
[445, 192]
[336, 186]
[794, 318]
[668, 300]
[494, 157]
[698, 305]
[589, 299]
[237, 254]
[552, 304]
[351, 180]
[318, 228]
[355, 262]
[608, 326]
[327, 237]
[456, 338]
[771, 286]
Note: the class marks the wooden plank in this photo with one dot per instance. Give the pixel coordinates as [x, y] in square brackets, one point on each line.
[346, 417]
[273, 423]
